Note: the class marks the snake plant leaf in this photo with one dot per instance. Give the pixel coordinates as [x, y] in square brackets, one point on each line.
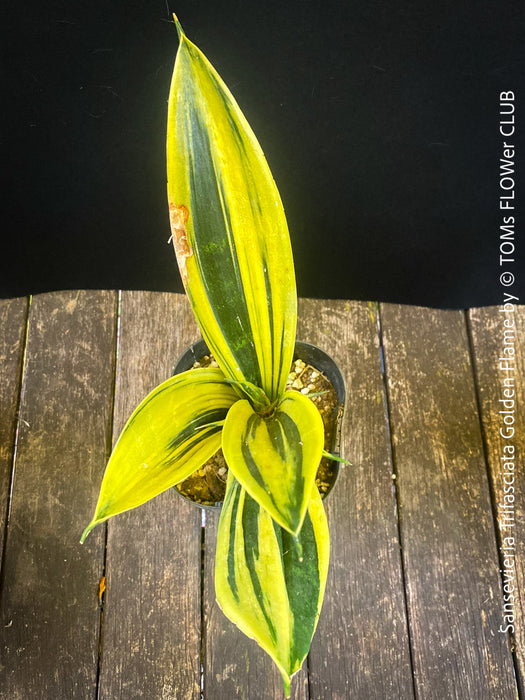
[276, 457]
[172, 432]
[268, 582]
[229, 229]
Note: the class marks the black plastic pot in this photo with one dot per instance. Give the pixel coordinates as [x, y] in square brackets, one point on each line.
[311, 355]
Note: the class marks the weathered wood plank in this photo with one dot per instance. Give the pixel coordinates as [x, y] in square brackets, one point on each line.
[448, 538]
[501, 387]
[151, 632]
[361, 648]
[49, 611]
[235, 667]
[13, 320]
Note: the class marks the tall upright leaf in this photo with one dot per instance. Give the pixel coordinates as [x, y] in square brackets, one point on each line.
[229, 228]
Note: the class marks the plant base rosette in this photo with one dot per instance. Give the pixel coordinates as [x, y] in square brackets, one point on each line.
[322, 381]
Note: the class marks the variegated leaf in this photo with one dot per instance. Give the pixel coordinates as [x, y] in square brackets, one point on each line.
[175, 429]
[276, 457]
[268, 582]
[229, 228]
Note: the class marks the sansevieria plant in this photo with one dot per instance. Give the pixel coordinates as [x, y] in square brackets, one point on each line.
[233, 250]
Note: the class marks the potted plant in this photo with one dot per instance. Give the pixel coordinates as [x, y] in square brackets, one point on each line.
[234, 255]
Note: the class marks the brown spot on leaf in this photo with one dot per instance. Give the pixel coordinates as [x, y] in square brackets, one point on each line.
[178, 218]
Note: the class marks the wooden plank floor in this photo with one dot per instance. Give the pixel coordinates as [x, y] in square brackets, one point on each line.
[423, 546]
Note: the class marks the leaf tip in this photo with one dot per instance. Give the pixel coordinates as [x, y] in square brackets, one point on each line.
[180, 30]
[87, 531]
[337, 458]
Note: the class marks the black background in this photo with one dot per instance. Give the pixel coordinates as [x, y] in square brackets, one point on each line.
[379, 121]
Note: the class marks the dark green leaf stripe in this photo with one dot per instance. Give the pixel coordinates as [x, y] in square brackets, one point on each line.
[230, 507]
[276, 457]
[185, 448]
[170, 434]
[247, 437]
[216, 260]
[229, 229]
[199, 422]
[250, 527]
[275, 582]
[301, 566]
